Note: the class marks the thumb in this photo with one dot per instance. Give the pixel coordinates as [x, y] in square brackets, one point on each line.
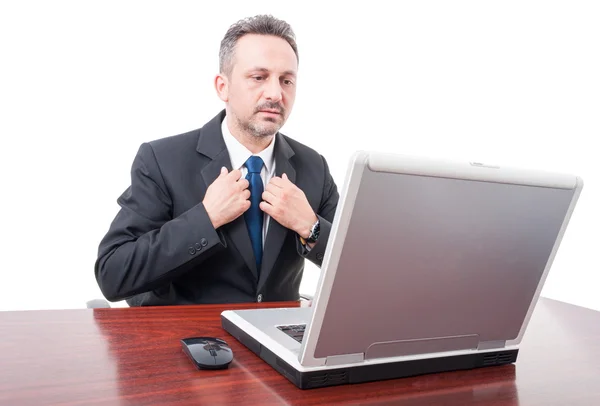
[223, 171]
[285, 176]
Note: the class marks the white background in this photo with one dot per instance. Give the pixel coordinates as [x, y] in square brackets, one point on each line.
[83, 84]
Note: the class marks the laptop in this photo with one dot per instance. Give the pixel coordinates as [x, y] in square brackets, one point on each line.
[431, 266]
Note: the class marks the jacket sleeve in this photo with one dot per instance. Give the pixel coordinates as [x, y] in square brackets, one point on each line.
[145, 247]
[325, 214]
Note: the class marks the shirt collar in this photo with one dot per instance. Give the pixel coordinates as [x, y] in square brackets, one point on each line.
[239, 154]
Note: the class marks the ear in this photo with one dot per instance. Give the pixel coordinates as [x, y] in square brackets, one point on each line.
[222, 87]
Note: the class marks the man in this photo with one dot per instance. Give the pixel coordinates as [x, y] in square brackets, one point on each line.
[228, 212]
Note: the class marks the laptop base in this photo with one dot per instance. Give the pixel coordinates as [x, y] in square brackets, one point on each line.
[369, 373]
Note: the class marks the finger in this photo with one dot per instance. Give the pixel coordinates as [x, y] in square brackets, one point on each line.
[267, 208]
[275, 190]
[246, 194]
[243, 183]
[245, 206]
[236, 174]
[277, 181]
[269, 197]
[223, 171]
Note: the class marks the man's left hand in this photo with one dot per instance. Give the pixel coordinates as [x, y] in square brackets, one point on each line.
[287, 204]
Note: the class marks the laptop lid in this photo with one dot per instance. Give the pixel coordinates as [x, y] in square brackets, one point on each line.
[428, 256]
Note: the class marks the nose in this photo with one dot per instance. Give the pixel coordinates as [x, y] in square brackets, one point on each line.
[273, 90]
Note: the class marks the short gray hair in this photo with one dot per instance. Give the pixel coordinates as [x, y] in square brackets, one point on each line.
[260, 24]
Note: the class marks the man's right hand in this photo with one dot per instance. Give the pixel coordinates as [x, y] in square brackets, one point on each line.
[227, 197]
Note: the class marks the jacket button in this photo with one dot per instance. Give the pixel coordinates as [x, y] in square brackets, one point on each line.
[198, 246]
[191, 250]
[259, 298]
[320, 256]
[204, 242]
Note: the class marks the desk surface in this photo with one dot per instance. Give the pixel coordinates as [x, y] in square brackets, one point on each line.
[133, 356]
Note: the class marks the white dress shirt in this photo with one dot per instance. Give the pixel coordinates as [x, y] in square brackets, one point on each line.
[239, 154]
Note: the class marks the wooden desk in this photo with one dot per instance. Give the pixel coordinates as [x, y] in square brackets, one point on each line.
[133, 356]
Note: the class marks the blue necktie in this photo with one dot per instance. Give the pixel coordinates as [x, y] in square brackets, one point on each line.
[254, 215]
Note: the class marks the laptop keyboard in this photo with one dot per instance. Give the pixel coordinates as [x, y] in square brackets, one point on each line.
[296, 331]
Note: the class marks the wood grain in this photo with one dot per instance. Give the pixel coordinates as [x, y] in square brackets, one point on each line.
[133, 356]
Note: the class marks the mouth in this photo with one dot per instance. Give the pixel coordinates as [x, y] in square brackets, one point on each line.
[270, 112]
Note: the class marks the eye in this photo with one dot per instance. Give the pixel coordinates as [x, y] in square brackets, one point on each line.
[288, 82]
[258, 78]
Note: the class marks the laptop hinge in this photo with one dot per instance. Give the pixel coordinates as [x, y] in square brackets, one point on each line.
[488, 345]
[344, 359]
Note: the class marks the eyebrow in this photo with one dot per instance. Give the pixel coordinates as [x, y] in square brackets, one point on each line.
[265, 70]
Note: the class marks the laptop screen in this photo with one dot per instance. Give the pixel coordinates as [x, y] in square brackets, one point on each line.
[429, 259]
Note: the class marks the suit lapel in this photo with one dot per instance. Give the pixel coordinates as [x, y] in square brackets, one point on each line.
[276, 233]
[211, 144]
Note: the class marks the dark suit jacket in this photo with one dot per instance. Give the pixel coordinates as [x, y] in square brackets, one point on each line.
[162, 249]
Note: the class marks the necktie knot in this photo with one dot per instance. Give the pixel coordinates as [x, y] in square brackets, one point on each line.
[254, 164]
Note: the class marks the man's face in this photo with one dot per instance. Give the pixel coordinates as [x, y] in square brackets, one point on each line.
[261, 87]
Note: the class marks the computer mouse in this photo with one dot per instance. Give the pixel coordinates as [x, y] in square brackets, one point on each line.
[207, 352]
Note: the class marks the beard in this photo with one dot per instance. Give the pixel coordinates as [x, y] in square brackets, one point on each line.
[263, 126]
